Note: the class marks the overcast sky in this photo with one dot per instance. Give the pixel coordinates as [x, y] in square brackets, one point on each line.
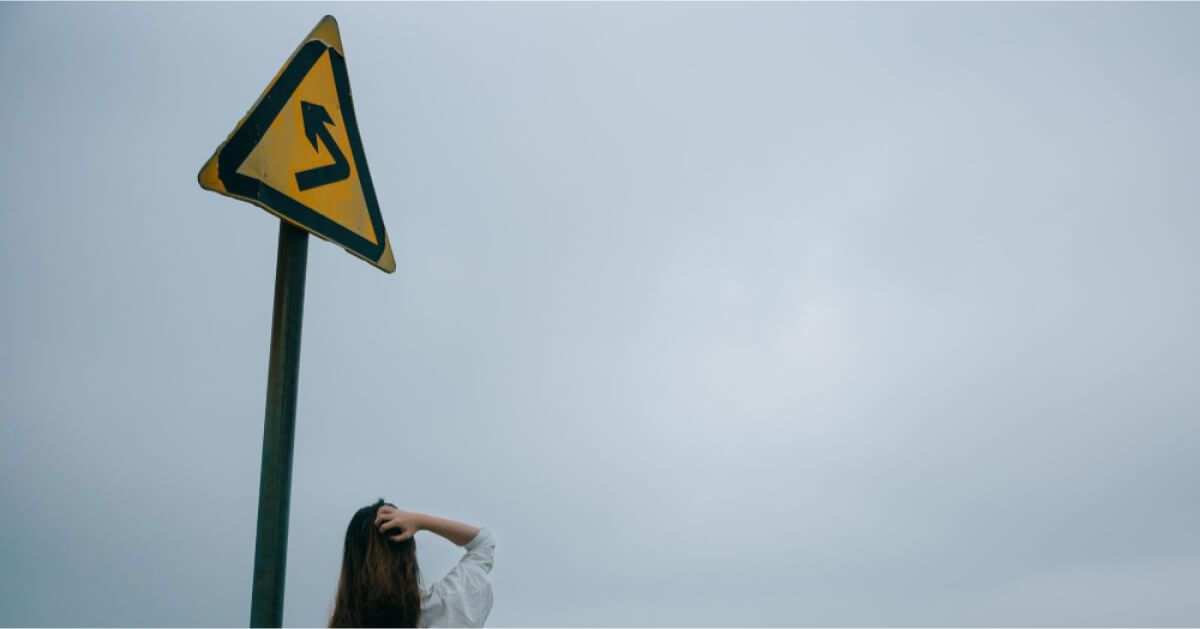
[716, 314]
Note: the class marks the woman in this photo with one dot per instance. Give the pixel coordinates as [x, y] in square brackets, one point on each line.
[379, 586]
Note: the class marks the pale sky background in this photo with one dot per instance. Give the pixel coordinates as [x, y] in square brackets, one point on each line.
[716, 314]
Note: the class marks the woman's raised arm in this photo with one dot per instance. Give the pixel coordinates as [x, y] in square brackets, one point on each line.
[401, 525]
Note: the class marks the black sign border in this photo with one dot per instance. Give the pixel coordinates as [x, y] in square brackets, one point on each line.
[255, 126]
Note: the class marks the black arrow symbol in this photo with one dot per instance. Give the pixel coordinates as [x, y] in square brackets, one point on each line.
[315, 119]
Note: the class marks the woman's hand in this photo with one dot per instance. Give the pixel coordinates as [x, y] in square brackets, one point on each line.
[396, 524]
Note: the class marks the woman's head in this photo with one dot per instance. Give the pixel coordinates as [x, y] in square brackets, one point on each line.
[379, 582]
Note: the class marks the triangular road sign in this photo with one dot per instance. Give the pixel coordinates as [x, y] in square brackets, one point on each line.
[297, 153]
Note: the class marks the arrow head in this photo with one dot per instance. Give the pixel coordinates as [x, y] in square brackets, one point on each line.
[314, 117]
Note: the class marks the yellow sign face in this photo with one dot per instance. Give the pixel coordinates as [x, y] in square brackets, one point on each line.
[297, 153]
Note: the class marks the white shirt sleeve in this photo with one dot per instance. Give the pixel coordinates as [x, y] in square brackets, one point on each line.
[463, 598]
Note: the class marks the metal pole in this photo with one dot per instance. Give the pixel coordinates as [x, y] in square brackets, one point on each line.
[275, 485]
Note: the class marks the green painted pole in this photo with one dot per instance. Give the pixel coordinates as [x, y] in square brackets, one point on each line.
[275, 484]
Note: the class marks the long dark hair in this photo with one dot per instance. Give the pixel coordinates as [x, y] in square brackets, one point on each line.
[379, 583]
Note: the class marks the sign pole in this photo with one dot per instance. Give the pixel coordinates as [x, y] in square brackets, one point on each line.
[275, 484]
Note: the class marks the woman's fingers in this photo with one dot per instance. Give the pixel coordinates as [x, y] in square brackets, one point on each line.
[382, 514]
[394, 524]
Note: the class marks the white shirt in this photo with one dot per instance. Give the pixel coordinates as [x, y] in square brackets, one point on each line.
[463, 598]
